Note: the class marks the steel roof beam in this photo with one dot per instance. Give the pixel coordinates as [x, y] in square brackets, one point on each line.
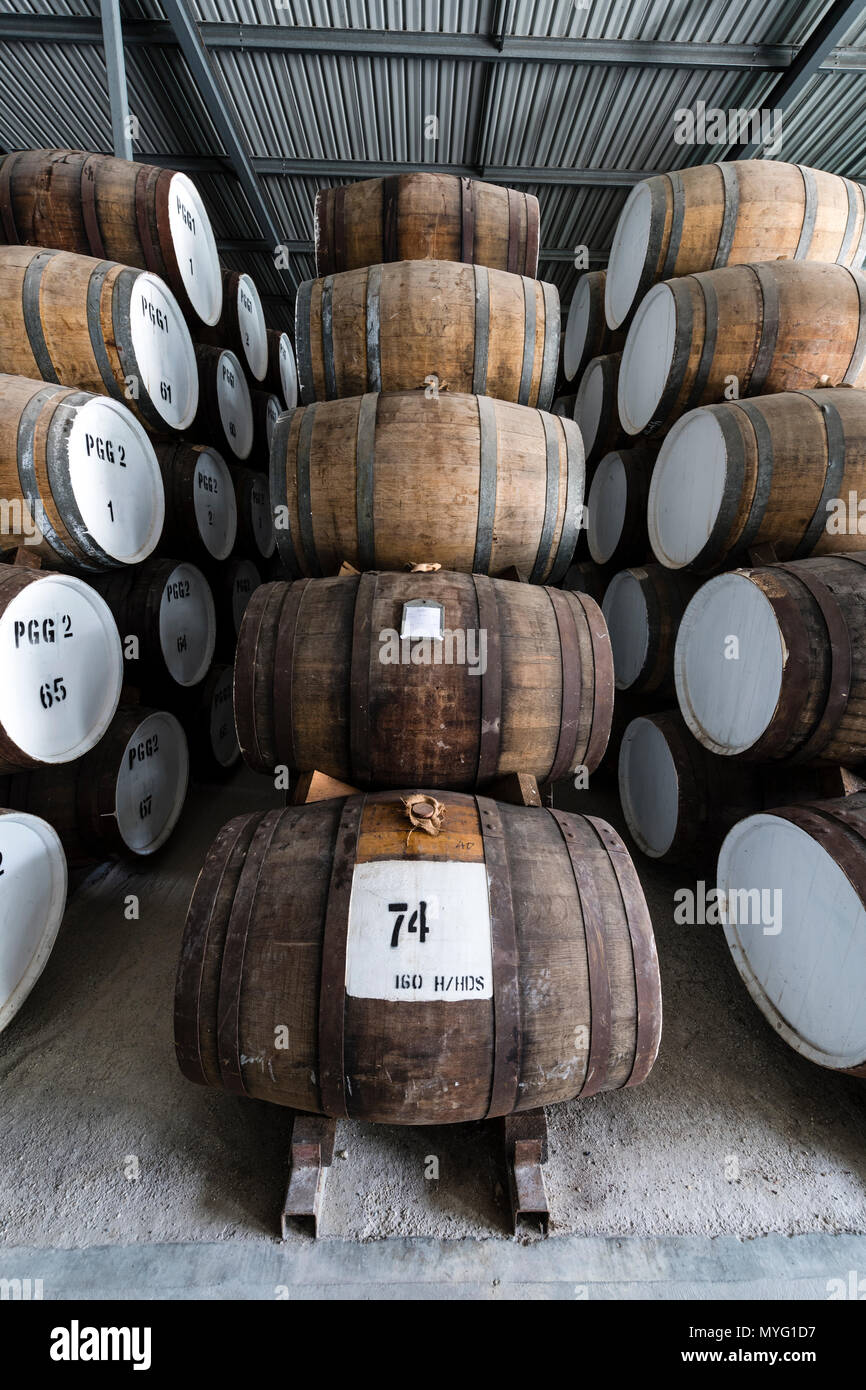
[371, 168]
[112, 34]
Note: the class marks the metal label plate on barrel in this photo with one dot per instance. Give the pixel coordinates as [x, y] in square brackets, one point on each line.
[419, 932]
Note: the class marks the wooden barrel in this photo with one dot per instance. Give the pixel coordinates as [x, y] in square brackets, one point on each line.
[778, 470]
[730, 213]
[255, 534]
[168, 608]
[79, 479]
[432, 325]
[62, 667]
[425, 949]
[771, 662]
[118, 210]
[225, 413]
[595, 408]
[208, 719]
[793, 887]
[749, 330]
[124, 797]
[100, 327]
[463, 481]
[267, 410]
[617, 506]
[351, 677]
[33, 886]
[201, 508]
[421, 217]
[643, 607]
[586, 332]
[680, 800]
[282, 377]
[242, 326]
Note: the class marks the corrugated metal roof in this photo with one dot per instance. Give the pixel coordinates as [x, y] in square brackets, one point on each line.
[353, 106]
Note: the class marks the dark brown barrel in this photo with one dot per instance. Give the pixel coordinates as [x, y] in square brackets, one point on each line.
[595, 408]
[255, 534]
[166, 607]
[771, 662]
[421, 216]
[586, 577]
[749, 330]
[242, 327]
[62, 668]
[586, 332]
[338, 929]
[98, 326]
[643, 607]
[79, 481]
[730, 213]
[343, 676]
[282, 377]
[430, 325]
[201, 508]
[792, 889]
[617, 506]
[786, 471]
[462, 481]
[115, 209]
[225, 414]
[208, 720]
[124, 797]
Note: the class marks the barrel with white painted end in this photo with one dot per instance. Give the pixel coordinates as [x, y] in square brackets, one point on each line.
[388, 481]
[616, 506]
[643, 607]
[255, 533]
[267, 410]
[124, 798]
[62, 666]
[730, 214]
[595, 407]
[225, 414]
[165, 613]
[586, 332]
[33, 887]
[234, 584]
[454, 679]
[101, 327]
[775, 471]
[282, 376]
[115, 209]
[201, 513]
[208, 720]
[771, 662]
[428, 324]
[792, 885]
[503, 963]
[79, 478]
[748, 330]
[242, 326]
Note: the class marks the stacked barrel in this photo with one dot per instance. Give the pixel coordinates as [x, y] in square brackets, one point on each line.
[737, 513]
[118, 516]
[431, 951]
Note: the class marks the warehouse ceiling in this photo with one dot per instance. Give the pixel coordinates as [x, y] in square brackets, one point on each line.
[263, 101]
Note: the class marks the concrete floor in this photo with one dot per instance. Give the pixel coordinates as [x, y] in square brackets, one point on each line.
[696, 1181]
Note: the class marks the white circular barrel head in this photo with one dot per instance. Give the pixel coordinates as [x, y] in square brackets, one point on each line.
[62, 669]
[187, 625]
[33, 884]
[274, 410]
[288, 372]
[163, 351]
[195, 249]
[728, 664]
[216, 509]
[687, 488]
[253, 328]
[235, 404]
[625, 612]
[606, 504]
[576, 329]
[246, 580]
[628, 255]
[152, 783]
[796, 929]
[589, 405]
[262, 517]
[223, 736]
[115, 480]
[648, 787]
[646, 359]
